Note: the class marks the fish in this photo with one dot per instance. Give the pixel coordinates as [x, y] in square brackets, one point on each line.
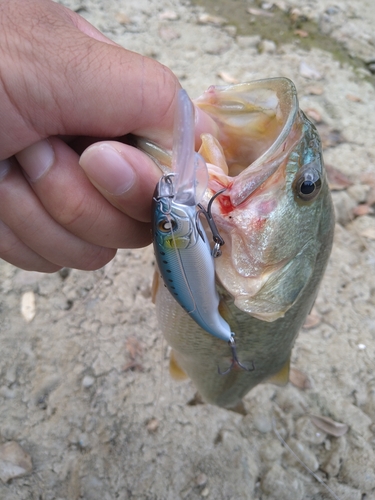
[272, 208]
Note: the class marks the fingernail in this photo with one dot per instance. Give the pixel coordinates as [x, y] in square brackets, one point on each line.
[37, 159]
[4, 168]
[105, 166]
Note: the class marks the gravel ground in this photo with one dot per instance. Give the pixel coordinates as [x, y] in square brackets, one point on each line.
[84, 386]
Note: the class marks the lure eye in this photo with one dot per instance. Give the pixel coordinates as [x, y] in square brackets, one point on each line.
[308, 184]
[167, 225]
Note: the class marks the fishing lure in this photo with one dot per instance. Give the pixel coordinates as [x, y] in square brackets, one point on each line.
[181, 245]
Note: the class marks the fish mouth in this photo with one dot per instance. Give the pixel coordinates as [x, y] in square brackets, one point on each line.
[264, 139]
[258, 128]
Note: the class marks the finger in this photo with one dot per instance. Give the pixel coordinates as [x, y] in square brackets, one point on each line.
[92, 88]
[23, 213]
[66, 193]
[18, 254]
[107, 165]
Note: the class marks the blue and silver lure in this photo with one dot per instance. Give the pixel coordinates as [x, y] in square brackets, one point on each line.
[181, 246]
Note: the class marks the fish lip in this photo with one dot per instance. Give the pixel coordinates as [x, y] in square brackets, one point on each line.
[245, 183]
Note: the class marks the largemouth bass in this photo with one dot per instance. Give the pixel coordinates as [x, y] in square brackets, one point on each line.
[276, 218]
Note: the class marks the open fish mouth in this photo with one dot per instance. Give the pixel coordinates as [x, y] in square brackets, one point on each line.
[256, 122]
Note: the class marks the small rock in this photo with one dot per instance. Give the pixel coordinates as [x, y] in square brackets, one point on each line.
[205, 492]
[122, 18]
[359, 192]
[303, 453]
[309, 72]
[296, 15]
[314, 90]
[301, 33]
[7, 393]
[168, 34]
[215, 45]
[259, 12]
[231, 30]
[335, 458]
[168, 15]
[362, 210]
[201, 479]
[345, 492]
[365, 226]
[88, 381]
[314, 115]
[271, 452]
[267, 46]
[344, 206]
[84, 441]
[337, 180]
[28, 306]
[358, 468]
[152, 425]
[14, 461]
[353, 98]
[262, 422]
[247, 42]
[282, 485]
[208, 19]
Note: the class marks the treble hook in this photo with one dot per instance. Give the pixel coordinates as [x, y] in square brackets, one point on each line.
[235, 360]
[216, 252]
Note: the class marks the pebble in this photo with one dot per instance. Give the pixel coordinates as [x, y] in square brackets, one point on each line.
[262, 422]
[309, 72]
[282, 485]
[247, 42]
[7, 393]
[28, 306]
[358, 192]
[168, 34]
[358, 468]
[88, 381]
[205, 492]
[345, 492]
[209, 19]
[337, 453]
[14, 461]
[344, 206]
[271, 452]
[267, 47]
[303, 453]
[168, 15]
[201, 479]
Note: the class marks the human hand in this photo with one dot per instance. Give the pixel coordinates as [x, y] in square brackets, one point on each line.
[61, 79]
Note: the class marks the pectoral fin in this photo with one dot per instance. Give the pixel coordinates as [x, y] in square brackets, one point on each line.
[177, 373]
[282, 377]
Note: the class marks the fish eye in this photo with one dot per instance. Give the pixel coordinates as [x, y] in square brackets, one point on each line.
[167, 225]
[308, 184]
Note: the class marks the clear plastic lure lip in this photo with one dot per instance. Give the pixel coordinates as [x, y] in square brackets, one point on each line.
[191, 170]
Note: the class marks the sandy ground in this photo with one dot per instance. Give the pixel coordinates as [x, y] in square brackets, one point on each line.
[84, 386]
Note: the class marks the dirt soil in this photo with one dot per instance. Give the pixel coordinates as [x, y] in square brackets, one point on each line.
[84, 386]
